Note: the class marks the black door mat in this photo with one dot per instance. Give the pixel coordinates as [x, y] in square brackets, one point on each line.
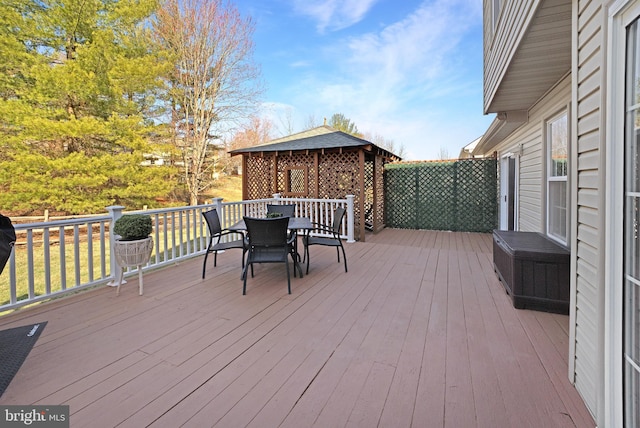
[15, 345]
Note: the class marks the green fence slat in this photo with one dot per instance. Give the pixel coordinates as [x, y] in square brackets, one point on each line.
[449, 195]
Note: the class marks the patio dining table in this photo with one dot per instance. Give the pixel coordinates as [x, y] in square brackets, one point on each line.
[295, 223]
[303, 224]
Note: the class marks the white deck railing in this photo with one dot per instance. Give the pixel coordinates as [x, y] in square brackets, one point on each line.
[54, 258]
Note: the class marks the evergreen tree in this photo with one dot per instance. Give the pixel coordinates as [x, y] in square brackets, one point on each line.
[79, 88]
[340, 122]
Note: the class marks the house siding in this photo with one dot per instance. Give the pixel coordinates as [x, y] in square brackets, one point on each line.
[530, 136]
[588, 259]
[501, 46]
[584, 90]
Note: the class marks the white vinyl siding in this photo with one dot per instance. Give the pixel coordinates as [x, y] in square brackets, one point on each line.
[527, 53]
[588, 257]
[531, 180]
[495, 12]
[501, 45]
[531, 177]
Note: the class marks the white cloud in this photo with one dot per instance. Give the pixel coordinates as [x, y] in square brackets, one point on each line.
[300, 64]
[396, 82]
[281, 116]
[414, 53]
[334, 14]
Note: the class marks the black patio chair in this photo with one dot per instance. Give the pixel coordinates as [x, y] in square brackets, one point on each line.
[269, 243]
[216, 243]
[329, 241]
[285, 210]
[7, 240]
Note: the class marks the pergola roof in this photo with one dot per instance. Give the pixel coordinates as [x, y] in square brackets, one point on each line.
[320, 138]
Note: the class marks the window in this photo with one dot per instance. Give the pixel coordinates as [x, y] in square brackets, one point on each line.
[296, 182]
[557, 168]
[631, 230]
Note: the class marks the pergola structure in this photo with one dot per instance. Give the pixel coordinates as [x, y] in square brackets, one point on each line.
[321, 162]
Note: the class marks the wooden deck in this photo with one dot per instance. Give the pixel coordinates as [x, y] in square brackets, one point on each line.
[418, 333]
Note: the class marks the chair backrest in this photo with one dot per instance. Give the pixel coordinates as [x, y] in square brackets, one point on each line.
[213, 221]
[285, 210]
[267, 232]
[338, 214]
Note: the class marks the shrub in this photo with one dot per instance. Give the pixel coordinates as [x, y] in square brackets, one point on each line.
[131, 227]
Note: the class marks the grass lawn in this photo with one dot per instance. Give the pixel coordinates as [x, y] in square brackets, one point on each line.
[228, 187]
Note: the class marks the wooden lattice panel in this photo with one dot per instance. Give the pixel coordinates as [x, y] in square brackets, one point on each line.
[259, 173]
[477, 207]
[339, 176]
[369, 209]
[436, 196]
[339, 173]
[297, 161]
[400, 197]
[458, 196]
[379, 189]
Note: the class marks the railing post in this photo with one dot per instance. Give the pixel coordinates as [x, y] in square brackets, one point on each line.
[350, 218]
[115, 212]
[217, 202]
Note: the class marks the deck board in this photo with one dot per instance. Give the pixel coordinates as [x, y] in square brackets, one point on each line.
[418, 333]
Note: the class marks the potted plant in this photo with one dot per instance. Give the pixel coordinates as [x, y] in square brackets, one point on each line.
[133, 227]
[133, 247]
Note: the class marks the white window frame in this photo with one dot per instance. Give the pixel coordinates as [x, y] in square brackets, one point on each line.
[620, 14]
[556, 179]
[504, 180]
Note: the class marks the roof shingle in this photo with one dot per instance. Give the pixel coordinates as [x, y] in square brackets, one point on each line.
[322, 137]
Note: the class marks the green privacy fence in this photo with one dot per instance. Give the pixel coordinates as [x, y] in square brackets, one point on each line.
[449, 195]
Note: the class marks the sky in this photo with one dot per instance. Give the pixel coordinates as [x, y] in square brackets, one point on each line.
[409, 70]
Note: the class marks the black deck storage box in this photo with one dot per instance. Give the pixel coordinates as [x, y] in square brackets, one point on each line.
[533, 269]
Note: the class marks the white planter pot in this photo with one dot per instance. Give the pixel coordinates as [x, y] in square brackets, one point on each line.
[130, 254]
[133, 253]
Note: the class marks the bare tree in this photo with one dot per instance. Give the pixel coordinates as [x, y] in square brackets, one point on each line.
[312, 122]
[214, 82]
[286, 122]
[443, 154]
[387, 144]
[256, 131]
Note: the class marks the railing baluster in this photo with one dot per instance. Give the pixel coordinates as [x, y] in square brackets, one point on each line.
[13, 298]
[76, 253]
[165, 236]
[63, 259]
[30, 264]
[103, 251]
[173, 236]
[89, 252]
[156, 238]
[47, 260]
